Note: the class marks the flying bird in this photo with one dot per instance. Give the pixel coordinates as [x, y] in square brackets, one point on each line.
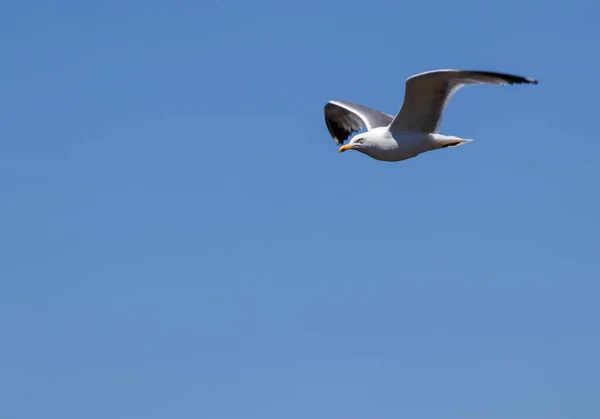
[414, 129]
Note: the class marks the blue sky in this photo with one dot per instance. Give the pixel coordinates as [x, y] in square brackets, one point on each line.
[181, 239]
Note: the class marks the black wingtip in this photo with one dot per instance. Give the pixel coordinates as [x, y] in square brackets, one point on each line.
[524, 80]
[528, 80]
[509, 78]
[520, 80]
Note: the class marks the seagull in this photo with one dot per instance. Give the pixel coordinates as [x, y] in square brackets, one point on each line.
[414, 129]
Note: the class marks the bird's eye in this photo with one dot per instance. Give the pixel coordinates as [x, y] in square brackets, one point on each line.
[360, 140]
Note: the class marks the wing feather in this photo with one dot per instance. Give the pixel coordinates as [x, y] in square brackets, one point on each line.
[427, 95]
[344, 118]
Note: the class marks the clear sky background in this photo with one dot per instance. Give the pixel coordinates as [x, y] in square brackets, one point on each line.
[180, 238]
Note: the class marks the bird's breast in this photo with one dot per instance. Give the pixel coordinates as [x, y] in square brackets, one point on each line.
[402, 146]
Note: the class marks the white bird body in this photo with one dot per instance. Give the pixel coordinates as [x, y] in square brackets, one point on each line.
[414, 129]
[392, 147]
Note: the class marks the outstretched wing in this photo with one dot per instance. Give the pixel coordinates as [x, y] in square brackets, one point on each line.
[427, 95]
[344, 118]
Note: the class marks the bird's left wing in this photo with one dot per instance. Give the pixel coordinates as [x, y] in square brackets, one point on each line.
[427, 95]
[344, 118]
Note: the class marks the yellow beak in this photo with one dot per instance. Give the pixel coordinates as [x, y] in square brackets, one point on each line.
[345, 147]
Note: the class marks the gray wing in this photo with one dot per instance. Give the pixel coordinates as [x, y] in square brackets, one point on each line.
[427, 95]
[344, 118]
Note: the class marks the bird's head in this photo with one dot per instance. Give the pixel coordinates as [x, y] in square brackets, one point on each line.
[358, 142]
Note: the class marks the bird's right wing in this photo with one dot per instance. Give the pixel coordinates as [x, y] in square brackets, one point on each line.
[344, 118]
[427, 95]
